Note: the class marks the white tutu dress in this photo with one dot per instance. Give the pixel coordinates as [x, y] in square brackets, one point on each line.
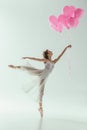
[42, 74]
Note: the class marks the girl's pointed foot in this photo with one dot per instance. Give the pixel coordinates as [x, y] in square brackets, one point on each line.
[41, 111]
[14, 67]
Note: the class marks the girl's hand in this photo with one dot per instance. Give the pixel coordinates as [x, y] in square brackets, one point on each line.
[24, 57]
[69, 46]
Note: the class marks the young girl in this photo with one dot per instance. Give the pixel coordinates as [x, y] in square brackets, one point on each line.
[42, 73]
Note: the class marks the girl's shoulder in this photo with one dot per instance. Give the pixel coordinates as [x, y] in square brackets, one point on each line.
[48, 61]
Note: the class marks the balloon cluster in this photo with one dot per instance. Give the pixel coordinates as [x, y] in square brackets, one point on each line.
[68, 19]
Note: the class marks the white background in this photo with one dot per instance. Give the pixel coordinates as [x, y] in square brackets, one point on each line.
[25, 31]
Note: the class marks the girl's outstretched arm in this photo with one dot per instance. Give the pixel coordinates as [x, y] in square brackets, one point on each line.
[56, 60]
[33, 58]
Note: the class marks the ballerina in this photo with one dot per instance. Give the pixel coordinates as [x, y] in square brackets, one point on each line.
[42, 73]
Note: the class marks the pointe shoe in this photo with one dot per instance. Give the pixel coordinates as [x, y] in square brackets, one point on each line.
[41, 112]
[11, 66]
[14, 67]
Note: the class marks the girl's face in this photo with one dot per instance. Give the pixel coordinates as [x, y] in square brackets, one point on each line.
[50, 53]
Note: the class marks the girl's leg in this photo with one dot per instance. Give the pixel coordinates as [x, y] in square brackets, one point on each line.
[14, 67]
[40, 98]
[40, 109]
[30, 69]
[20, 67]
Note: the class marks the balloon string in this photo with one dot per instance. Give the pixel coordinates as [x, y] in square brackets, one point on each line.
[69, 63]
[69, 55]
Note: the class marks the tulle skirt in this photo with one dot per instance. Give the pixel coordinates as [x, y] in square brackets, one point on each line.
[38, 81]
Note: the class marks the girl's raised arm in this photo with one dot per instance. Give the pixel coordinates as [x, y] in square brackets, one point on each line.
[56, 60]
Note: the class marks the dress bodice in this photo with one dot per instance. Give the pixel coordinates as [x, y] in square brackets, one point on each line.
[47, 70]
[49, 66]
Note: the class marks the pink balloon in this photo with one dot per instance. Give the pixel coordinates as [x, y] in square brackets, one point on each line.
[73, 22]
[58, 28]
[69, 18]
[79, 12]
[53, 20]
[69, 11]
[63, 20]
[55, 24]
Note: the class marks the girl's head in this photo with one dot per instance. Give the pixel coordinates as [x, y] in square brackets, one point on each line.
[47, 54]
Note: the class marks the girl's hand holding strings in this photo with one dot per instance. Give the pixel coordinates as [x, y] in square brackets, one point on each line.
[69, 46]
